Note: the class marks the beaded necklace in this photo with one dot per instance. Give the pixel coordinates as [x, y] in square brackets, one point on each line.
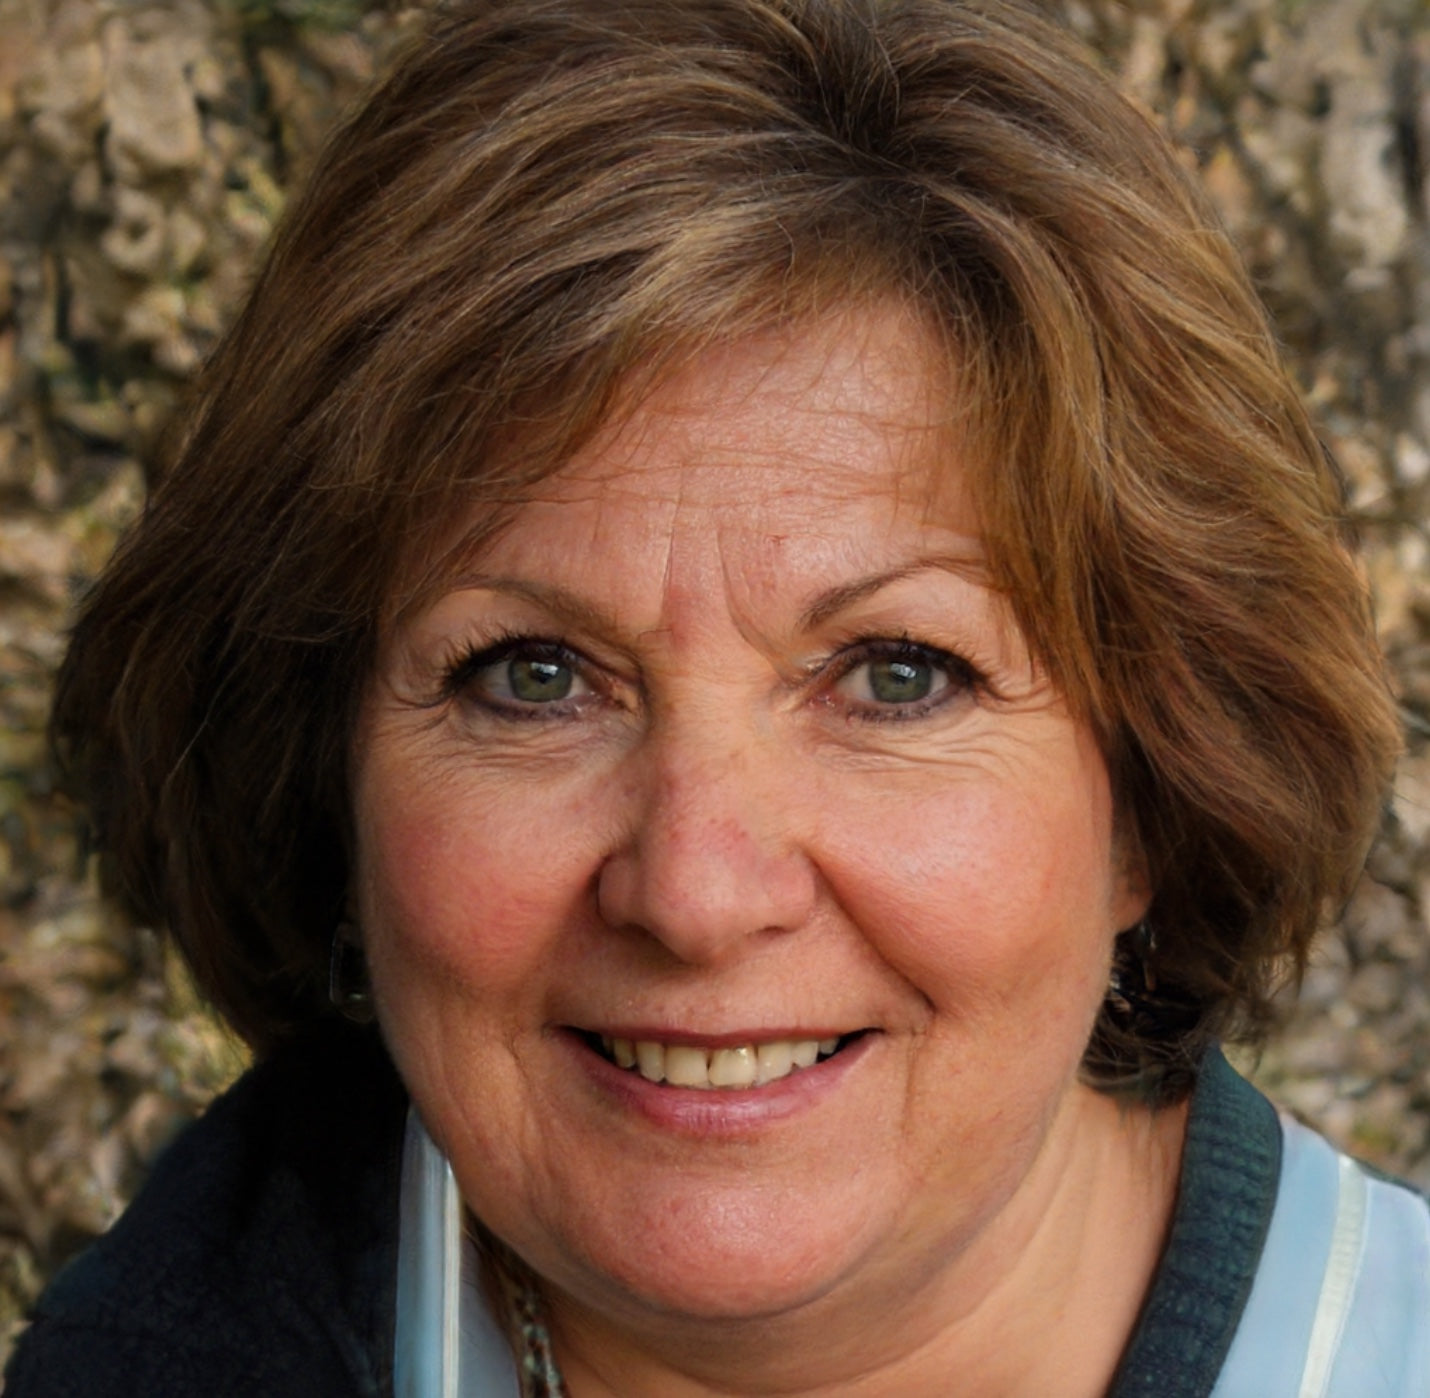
[516, 1301]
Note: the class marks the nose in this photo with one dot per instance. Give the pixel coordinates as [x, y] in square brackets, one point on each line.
[715, 853]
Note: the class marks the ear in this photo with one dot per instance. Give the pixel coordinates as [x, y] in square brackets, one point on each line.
[1132, 884]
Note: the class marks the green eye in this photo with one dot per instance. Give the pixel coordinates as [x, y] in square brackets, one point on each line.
[899, 681]
[539, 681]
[902, 679]
[523, 676]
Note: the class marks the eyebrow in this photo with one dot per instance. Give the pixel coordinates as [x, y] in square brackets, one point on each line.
[827, 604]
[830, 603]
[554, 599]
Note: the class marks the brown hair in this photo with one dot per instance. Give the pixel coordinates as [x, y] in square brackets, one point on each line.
[549, 196]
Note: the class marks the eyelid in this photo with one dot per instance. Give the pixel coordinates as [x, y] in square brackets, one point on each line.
[964, 677]
[883, 647]
[470, 658]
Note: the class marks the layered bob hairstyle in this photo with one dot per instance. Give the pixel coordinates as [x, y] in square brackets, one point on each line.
[550, 204]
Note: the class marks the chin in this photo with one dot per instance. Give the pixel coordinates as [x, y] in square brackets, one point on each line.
[716, 1269]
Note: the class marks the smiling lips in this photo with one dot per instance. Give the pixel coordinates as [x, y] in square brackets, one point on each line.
[745, 1065]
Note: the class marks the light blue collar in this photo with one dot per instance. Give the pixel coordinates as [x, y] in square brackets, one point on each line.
[448, 1343]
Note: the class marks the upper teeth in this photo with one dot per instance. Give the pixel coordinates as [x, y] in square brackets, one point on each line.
[685, 1065]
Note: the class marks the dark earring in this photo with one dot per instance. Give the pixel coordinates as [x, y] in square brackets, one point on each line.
[1133, 977]
[1136, 1000]
[348, 985]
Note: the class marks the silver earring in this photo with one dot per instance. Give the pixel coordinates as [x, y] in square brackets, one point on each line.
[348, 987]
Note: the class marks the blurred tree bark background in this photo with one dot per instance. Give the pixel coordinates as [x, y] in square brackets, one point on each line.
[146, 148]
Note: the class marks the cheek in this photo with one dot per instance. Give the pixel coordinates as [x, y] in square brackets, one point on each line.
[989, 899]
[461, 885]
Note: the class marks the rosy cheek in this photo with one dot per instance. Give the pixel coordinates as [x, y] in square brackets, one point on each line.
[423, 900]
[975, 890]
[464, 889]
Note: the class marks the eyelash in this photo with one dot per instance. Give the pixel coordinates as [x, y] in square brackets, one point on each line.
[460, 672]
[960, 675]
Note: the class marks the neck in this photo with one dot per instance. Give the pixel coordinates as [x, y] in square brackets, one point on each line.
[1042, 1301]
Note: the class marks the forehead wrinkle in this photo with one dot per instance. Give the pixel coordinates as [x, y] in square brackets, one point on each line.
[670, 587]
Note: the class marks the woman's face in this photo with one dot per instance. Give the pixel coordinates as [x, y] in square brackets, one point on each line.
[722, 758]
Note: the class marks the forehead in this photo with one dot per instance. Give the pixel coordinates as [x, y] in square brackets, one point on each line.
[769, 480]
[865, 394]
[857, 408]
[846, 429]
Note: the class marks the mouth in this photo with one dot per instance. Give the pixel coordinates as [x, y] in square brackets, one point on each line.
[727, 1067]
